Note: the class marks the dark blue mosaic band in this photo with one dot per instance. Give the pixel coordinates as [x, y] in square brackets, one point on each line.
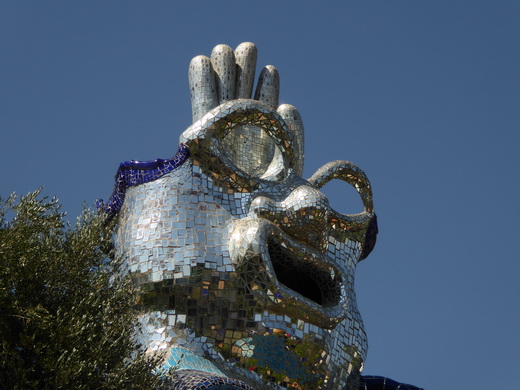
[370, 238]
[382, 383]
[132, 173]
[200, 380]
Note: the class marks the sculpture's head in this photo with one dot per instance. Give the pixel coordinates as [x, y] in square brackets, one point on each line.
[246, 269]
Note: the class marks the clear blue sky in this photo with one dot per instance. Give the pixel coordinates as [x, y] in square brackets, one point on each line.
[423, 95]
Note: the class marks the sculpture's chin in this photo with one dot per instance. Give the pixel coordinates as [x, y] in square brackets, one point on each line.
[285, 275]
[283, 359]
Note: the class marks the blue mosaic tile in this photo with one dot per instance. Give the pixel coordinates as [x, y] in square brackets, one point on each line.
[199, 380]
[132, 173]
[184, 359]
[382, 383]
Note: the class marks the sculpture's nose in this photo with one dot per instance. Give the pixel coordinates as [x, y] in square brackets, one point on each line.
[304, 214]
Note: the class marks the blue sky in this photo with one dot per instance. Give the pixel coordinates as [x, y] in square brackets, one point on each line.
[422, 95]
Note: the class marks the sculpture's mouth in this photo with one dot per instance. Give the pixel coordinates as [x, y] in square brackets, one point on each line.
[316, 282]
[285, 275]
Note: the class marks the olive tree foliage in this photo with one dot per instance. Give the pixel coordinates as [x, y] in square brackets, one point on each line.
[67, 313]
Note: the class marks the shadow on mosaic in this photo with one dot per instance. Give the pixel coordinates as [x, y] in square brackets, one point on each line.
[247, 273]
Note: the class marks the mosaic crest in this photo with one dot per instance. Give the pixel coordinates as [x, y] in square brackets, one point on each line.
[247, 273]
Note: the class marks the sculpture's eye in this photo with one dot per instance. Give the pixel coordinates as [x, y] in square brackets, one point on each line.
[360, 227]
[240, 144]
[255, 152]
[343, 197]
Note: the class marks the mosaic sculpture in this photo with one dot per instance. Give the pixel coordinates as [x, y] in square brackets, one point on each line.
[247, 273]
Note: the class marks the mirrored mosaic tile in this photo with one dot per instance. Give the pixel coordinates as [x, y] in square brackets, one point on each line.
[247, 273]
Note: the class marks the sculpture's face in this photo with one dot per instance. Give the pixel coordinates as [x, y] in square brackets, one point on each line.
[245, 261]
